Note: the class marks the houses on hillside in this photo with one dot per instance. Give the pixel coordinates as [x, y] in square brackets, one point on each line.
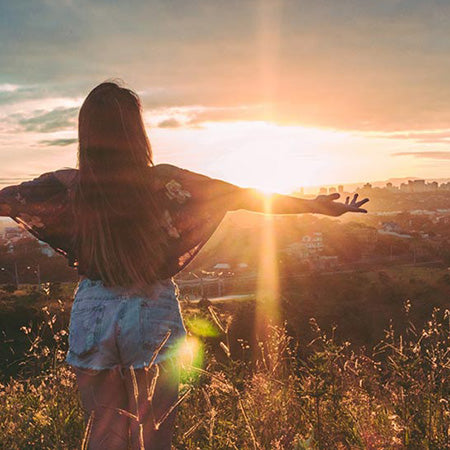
[309, 251]
[11, 236]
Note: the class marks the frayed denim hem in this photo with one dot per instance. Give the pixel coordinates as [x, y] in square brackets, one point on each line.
[140, 365]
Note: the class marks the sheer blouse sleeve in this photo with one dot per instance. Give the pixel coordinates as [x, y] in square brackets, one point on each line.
[194, 206]
[41, 207]
[199, 190]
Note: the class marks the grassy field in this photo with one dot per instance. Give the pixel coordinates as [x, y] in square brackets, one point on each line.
[283, 393]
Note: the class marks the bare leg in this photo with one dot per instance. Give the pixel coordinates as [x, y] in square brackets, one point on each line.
[103, 393]
[150, 412]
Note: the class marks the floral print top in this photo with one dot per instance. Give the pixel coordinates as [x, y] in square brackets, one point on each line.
[193, 207]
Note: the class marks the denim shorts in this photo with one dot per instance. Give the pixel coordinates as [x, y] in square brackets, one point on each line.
[110, 328]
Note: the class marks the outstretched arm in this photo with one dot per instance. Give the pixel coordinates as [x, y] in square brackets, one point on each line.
[5, 209]
[219, 194]
[26, 197]
[254, 200]
[6, 194]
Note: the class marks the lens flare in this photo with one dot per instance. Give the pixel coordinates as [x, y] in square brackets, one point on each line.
[200, 326]
[191, 355]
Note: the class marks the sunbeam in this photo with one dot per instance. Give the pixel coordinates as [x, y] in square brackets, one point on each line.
[267, 308]
[267, 294]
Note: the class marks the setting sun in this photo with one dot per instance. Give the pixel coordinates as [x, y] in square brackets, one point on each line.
[263, 155]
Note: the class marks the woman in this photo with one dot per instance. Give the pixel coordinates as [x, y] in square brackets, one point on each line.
[128, 226]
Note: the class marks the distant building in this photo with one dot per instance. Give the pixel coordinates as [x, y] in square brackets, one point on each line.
[309, 247]
[341, 189]
[404, 187]
[417, 186]
[391, 227]
[323, 191]
[332, 190]
[12, 235]
[366, 235]
[390, 187]
[326, 262]
[313, 242]
[222, 266]
[46, 249]
[445, 186]
[444, 219]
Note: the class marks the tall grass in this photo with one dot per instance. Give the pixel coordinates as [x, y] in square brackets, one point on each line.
[281, 395]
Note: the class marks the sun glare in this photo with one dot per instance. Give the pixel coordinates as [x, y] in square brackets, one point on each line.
[190, 354]
[272, 157]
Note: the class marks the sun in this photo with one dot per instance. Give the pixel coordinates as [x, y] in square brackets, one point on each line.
[271, 157]
[265, 155]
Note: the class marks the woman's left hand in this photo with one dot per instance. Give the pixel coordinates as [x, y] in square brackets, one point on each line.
[327, 205]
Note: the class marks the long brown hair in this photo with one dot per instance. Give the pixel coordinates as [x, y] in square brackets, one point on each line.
[118, 220]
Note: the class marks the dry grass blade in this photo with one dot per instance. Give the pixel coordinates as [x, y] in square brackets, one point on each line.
[192, 429]
[209, 374]
[225, 349]
[151, 388]
[249, 426]
[177, 403]
[87, 432]
[135, 391]
[158, 349]
[141, 437]
[122, 412]
[207, 399]
[216, 319]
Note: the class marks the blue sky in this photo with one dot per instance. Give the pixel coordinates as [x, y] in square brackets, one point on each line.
[334, 91]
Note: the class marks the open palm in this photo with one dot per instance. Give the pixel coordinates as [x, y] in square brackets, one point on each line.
[327, 204]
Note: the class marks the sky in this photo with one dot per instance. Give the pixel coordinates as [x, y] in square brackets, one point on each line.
[274, 94]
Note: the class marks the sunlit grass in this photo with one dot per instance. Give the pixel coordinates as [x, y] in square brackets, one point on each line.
[330, 398]
[202, 327]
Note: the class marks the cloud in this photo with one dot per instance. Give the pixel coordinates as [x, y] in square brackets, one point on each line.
[196, 115]
[353, 64]
[10, 180]
[58, 142]
[169, 123]
[10, 93]
[443, 155]
[423, 137]
[47, 121]
[226, 114]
